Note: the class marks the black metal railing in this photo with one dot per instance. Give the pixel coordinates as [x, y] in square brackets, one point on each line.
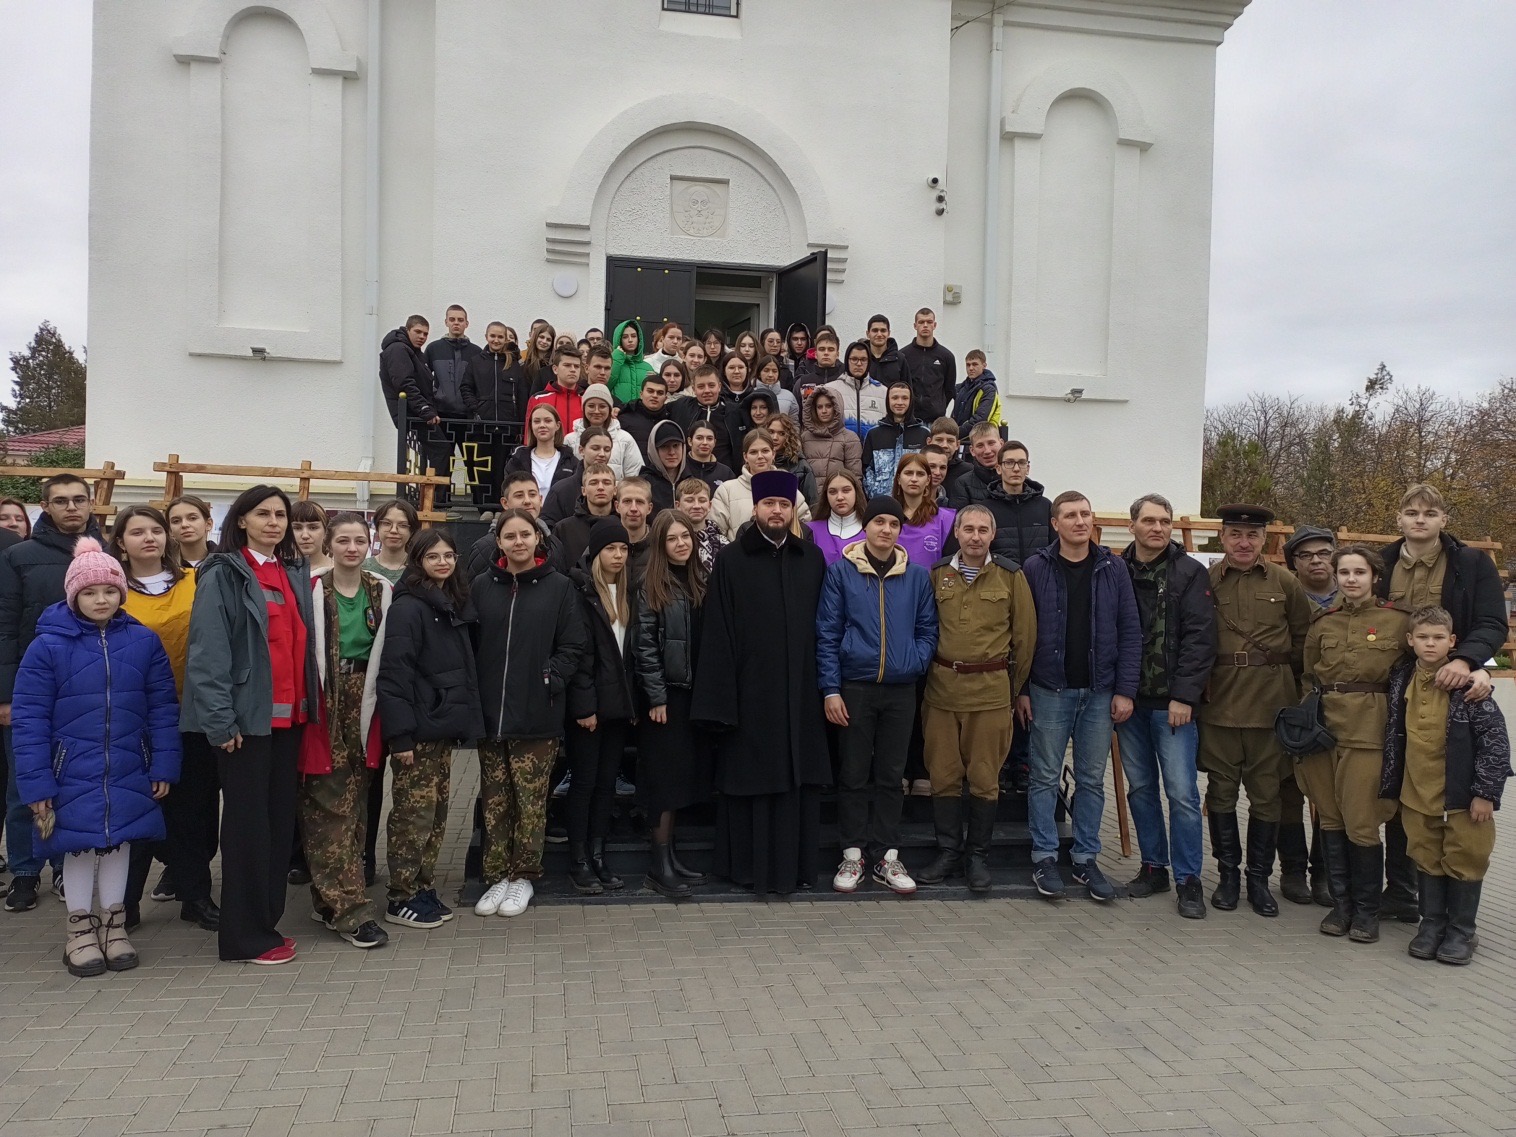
[479, 448]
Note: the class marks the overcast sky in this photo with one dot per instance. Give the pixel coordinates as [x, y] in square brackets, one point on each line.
[1365, 190]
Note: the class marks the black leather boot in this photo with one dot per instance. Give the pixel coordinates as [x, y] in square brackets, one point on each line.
[1262, 837]
[608, 880]
[1463, 910]
[947, 819]
[1399, 899]
[1334, 846]
[582, 874]
[684, 872]
[1321, 891]
[1293, 862]
[1366, 865]
[661, 877]
[1226, 847]
[976, 861]
[1432, 899]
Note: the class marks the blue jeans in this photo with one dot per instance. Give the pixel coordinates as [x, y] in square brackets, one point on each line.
[1150, 748]
[1057, 716]
[18, 820]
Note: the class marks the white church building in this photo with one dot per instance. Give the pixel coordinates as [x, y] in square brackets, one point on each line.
[276, 184]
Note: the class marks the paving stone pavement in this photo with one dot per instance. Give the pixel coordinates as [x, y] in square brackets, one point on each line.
[882, 1017]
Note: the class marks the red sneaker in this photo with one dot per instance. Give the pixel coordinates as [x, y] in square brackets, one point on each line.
[275, 956]
[289, 942]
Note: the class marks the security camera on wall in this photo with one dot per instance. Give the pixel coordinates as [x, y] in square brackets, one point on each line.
[934, 181]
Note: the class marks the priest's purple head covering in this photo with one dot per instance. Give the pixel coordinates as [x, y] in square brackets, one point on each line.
[775, 483]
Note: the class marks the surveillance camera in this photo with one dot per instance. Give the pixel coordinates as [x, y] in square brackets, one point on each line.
[941, 198]
[934, 181]
[941, 209]
[259, 352]
[1074, 395]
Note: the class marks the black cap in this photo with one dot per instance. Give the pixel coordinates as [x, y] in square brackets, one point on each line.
[1302, 534]
[1244, 515]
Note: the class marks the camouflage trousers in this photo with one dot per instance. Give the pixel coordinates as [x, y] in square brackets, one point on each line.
[514, 779]
[418, 817]
[333, 812]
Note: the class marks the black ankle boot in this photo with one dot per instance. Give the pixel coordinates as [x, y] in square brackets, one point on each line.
[608, 880]
[683, 871]
[1226, 847]
[1432, 900]
[1398, 901]
[582, 875]
[947, 819]
[1366, 865]
[1334, 846]
[1463, 910]
[976, 862]
[661, 877]
[1293, 861]
[1262, 836]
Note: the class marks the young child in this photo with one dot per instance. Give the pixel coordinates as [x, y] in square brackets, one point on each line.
[1446, 759]
[695, 499]
[96, 730]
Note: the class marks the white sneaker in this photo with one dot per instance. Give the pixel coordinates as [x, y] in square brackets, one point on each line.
[850, 872]
[891, 873]
[494, 895]
[517, 899]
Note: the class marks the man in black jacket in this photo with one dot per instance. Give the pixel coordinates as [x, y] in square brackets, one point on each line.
[646, 411]
[1023, 516]
[31, 579]
[1160, 740]
[1426, 567]
[448, 359]
[885, 364]
[595, 504]
[931, 368]
[971, 484]
[403, 370]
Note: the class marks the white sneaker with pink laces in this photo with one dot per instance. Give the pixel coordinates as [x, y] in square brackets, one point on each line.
[850, 872]
[891, 873]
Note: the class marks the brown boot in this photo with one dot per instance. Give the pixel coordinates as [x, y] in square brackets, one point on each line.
[119, 953]
[81, 954]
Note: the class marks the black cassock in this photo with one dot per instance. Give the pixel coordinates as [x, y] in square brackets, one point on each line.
[756, 687]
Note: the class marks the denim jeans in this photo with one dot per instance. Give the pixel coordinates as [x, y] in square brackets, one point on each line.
[18, 820]
[1058, 716]
[1151, 749]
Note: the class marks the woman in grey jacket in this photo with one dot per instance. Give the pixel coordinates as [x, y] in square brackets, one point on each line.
[251, 682]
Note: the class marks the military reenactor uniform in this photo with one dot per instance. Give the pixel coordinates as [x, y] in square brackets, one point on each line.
[1349, 654]
[1262, 618]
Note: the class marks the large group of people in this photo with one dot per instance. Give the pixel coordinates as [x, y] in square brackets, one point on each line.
[742, 573]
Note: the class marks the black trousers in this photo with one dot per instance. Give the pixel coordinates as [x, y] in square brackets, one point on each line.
[191, 814]
[873, 748]
[375, 808]
[259, 782]
[594, 758]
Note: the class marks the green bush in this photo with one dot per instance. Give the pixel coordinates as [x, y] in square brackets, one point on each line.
[28, 489]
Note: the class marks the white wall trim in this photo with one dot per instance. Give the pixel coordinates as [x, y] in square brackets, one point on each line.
[213, 21]
[1079, 77]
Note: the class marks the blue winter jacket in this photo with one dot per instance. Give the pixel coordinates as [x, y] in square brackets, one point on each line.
[95, 722]
[852, 619]
[1115, 628]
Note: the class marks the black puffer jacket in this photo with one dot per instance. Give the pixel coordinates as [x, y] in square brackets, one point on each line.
[403, 368]
[428, 689]
[530, 638]
[494, 389]
[602, 685]
[449, 360]
[31, 579]
[888, 367]
[485, 551]
[1023, 524]
[665, 647]
[1471, 593]
[1189, 645]
[1478, 746]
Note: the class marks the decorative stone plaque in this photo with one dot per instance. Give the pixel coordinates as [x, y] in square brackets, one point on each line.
[698, 206]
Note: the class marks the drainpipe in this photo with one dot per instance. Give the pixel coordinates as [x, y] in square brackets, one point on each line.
[371, 242]
[991, 289]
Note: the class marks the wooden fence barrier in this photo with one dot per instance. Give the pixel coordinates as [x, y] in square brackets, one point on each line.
[303, 475]
[103, 482]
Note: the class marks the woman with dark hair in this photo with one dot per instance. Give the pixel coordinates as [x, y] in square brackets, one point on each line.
[897, 434]
[531, 638]
[734, 377]
[160, 595]
[746, 346]
[714, 342]
[189, 524]
[544, 455]
[251, 681]
[673, 754]
[927, 535]
[428, 703]
[676, 377]
[839, 514]
[13, 516]
[766, 373]
[396, 522]
[308, 524]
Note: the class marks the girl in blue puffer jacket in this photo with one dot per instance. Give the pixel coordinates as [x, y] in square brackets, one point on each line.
[96, 731]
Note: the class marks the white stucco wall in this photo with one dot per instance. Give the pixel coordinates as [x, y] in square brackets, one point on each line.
[505, 137]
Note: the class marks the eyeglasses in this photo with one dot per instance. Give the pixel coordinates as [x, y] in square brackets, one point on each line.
[394, 525]
[440, 558]
[1017, 463]
[1322, 555]
[69, 502]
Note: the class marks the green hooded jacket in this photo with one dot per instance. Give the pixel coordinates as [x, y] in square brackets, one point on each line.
[628, 369]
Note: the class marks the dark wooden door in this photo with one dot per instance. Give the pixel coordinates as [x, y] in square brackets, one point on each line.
[650, 292]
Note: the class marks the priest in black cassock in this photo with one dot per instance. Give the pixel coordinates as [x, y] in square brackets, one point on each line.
[756, 688]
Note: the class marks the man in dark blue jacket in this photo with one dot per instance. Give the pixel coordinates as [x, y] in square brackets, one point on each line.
[876, 631]
[1085, 675]
[1160, 741]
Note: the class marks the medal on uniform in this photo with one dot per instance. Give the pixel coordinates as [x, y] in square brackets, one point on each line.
[1372, 636]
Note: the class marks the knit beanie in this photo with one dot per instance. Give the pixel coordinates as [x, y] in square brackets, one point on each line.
[598, 391]
[606, 532]
[883, 507]
[92, 565]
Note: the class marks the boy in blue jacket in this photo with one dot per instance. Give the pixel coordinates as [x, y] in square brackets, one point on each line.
[977, 398]
[876, 631]
[96, 728]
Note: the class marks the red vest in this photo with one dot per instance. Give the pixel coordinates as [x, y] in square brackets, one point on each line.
[286, 642]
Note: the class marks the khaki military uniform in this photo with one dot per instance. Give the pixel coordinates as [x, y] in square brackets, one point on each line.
[1417, 582]
[1348, 654]
[966, 715]
[1441, 843]
[1254, 676]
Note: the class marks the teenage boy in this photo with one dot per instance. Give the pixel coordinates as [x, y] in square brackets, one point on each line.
[982, 469]
[708, 404]
[597, 366]
[977, 398]
[595, 445]
[820, 371]
[1084, 679]
[1023, 517]
[937, 467]
[876, 631]
[1447, 758]
[563, 393]
[860, 397]
[1159, 742]
[646, 411]
[1429, 566]
[945, 433]
[596, 493]
[665, 467]
[519, 492]
[695, 499]
[634, 505]
[931, 368]
[885, 364]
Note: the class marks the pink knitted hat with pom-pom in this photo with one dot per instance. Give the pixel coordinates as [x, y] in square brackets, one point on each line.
[92, 565]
